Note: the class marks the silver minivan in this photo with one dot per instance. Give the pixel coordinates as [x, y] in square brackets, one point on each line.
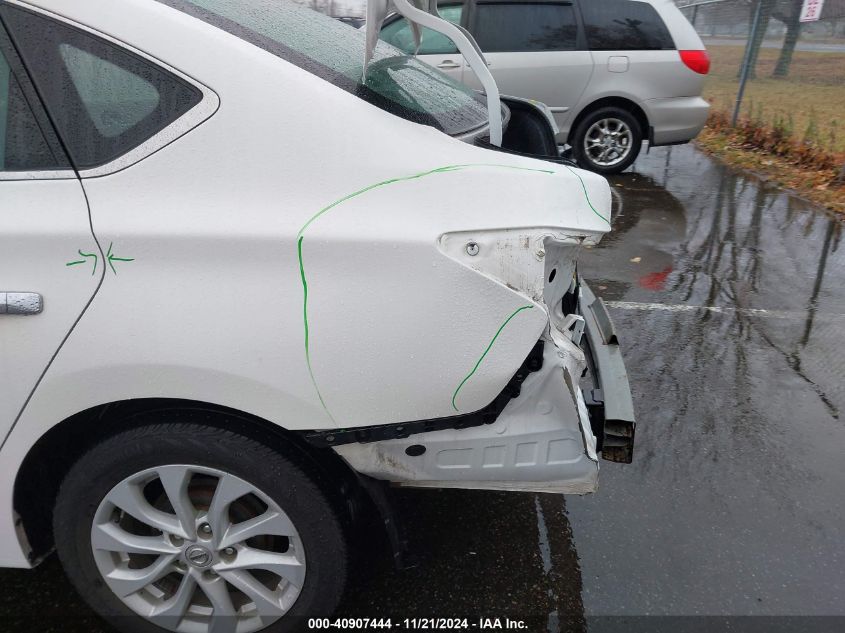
[615, 73]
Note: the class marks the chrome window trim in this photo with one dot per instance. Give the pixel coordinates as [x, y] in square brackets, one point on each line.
[23, 176]
[192, 118]
[201, 112]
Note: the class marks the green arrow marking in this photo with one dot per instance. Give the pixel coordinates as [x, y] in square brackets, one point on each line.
[110, 259]
[114, 258]
[87, 256]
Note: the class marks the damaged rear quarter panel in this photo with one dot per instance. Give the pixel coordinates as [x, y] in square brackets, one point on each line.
[395, 325]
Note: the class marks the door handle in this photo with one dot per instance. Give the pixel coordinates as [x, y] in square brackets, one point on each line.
[448, 64]
[21, 303]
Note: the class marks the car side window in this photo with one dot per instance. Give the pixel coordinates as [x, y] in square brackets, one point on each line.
[523, 27]
[104, 100]
[398, 33]
[624, 25]
[114, 98]
[22, 143]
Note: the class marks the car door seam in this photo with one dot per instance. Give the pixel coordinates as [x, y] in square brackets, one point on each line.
[72, 327]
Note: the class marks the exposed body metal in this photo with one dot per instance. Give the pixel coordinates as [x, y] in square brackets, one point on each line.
[532, 446]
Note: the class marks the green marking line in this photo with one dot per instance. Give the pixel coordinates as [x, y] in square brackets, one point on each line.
[490, 345]
[301, 236]
[439, 170]
[305, 318]
[109, 259]
[586, 195]
[84, 261]
[112, 258]
[423, 174]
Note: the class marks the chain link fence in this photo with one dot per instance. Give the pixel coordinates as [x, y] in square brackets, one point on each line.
[778, 74]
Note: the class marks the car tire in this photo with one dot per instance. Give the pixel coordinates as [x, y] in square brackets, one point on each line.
[607, 140]
[300, 533]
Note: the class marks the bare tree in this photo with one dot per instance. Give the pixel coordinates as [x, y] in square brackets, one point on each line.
[789, 16]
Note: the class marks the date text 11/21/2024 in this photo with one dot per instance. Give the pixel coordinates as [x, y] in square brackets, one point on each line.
[357, 624]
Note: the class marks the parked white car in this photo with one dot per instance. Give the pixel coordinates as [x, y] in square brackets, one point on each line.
[613, 72]
[242, 290]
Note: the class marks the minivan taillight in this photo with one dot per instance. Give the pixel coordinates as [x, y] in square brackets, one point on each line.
[697, 61]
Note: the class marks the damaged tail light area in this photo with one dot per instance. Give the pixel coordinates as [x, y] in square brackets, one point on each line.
[537, 263]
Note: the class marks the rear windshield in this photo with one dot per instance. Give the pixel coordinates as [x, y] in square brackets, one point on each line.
[334, 51]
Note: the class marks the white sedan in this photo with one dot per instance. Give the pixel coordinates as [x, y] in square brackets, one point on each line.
[241, 290]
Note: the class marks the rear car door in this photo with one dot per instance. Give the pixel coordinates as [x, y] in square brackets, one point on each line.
[534, 50]
[436, 49]
[50, 264]
[110, 108]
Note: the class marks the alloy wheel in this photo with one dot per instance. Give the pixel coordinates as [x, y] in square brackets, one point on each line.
[608, 142]
[195, 550]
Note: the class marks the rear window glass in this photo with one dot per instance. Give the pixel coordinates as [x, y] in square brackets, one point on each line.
[331, 50]
[525, 27]
[624, 25]
[399, 34]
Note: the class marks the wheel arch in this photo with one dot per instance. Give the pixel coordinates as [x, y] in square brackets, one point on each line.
[50, 458]
[619, 102]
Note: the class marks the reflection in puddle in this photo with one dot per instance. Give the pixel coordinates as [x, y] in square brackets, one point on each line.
[729, 302]
[694, 232]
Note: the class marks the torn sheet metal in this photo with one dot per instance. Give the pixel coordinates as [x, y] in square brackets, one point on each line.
[428, 16]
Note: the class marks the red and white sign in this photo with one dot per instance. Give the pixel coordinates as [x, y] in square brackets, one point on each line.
[811, 10]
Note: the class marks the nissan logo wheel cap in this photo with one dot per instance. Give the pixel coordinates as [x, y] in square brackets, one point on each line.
[198, 556]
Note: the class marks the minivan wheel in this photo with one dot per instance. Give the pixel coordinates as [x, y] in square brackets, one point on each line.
[196, 529]
[607, 141]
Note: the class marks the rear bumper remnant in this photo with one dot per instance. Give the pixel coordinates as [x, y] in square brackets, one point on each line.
[544, 435]
[609, 402]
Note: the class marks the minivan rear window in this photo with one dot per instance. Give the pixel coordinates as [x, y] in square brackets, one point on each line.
[523, 26]
[331, 50]
[624, 25]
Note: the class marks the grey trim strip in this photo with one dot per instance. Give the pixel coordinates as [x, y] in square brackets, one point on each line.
[181, 126]
[66, 174]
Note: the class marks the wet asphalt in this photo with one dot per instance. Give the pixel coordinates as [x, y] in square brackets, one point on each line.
[729, 299]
